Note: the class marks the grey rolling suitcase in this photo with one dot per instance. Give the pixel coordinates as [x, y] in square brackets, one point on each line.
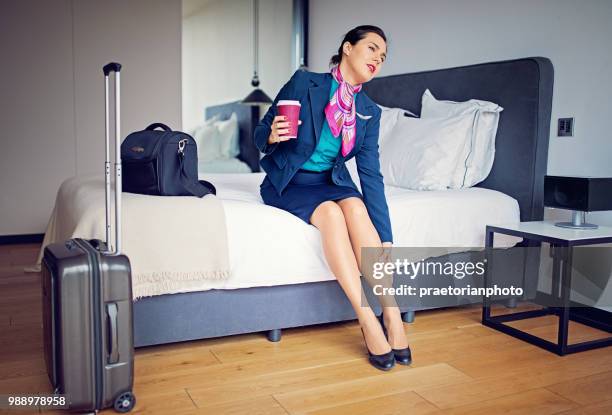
[87, 306]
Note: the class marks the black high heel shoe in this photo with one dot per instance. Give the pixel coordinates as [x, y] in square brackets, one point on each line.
[402, 356]
[384, 361]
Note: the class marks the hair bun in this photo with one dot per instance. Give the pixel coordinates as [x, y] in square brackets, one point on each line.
[335, 60]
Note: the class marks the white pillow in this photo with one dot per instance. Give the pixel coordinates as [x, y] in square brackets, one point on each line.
[388, 118]
[206, 137]
[229, 145]
[423, 154]
[192, 131]
[478, 164]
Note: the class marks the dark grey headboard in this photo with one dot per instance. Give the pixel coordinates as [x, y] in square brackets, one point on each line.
[523, 87]
[248, 117]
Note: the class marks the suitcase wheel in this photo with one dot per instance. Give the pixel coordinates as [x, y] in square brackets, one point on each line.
[125, 402]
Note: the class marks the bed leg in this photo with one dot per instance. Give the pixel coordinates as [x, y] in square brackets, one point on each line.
[511, 302]
[408, 316]
[274, 335]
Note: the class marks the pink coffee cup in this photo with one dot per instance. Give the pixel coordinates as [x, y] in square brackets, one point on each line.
[291, 110]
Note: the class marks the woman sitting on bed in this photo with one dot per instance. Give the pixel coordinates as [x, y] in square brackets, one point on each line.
[308, 178]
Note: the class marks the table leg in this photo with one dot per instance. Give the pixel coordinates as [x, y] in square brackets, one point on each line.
[486, 306]
[556, 276]
[566, 285]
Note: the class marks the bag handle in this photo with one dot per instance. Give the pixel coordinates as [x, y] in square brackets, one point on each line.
[198, 188]
[112, 312]
[158, 125]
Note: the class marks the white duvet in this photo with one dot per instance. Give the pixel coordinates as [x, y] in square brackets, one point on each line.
[268, 246]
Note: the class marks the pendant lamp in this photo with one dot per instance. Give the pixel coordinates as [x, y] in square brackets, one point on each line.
[257, 97]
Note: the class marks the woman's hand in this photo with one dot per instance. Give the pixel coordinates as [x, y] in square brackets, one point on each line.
[279, 127]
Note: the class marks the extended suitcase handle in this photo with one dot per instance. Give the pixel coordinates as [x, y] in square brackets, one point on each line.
[112, 311]
[116, 68]
[111, 67]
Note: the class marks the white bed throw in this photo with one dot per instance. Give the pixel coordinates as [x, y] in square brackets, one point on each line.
[159, 235]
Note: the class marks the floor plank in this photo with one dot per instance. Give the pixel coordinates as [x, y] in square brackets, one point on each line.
[26, 384]
[532, 402]
[28, 278]
[601, 408]
[153, 364]
[395, 404]
[285, 360]
[24, 255]
[325, 337]
[521, 355]
[283, 382]
[586, 390]
[352, 391]
[265, 405]
[8, 270]
[509, 380]
[26, 366]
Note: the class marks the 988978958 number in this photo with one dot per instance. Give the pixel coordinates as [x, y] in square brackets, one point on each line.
[13, 401]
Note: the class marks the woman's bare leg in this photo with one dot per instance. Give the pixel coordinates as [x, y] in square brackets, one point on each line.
[329, 219]
[363, 234]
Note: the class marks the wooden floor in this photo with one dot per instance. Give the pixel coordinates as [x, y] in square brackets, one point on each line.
[460, 367]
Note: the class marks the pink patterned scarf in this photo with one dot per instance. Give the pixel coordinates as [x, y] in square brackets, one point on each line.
[340, 111]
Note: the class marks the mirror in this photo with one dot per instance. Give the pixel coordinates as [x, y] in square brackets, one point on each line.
[218, 64]
[217, 50]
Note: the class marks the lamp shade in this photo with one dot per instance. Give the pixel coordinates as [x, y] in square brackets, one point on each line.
[257, 97]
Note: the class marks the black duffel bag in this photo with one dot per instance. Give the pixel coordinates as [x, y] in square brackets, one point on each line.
[162, 163]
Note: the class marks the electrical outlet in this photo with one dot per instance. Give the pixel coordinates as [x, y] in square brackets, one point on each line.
[565, 127]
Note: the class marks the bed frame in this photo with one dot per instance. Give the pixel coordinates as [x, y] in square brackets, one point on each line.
[523, 87]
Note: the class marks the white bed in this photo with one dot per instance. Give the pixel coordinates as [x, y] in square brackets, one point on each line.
[173, 247]
[265, 242]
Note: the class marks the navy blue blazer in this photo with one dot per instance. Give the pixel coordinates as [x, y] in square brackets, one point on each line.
[283, 159]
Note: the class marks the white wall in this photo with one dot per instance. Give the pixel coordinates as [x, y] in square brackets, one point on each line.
[37, 141]
[51, 84]
[145, 37]
[436, 34]
[218, 52]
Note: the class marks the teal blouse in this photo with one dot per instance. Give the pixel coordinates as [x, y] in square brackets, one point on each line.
[327, 149]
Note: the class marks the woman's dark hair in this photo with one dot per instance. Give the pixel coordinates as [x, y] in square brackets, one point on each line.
[353, 36]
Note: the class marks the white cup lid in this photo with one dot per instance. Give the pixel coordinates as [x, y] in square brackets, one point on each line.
[288, 102]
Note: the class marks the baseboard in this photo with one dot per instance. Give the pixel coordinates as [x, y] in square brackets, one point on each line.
[21, 239]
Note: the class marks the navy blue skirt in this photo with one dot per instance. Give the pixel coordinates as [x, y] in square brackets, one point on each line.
[306, 190]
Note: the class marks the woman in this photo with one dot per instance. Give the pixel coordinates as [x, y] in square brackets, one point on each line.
[307, 176]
